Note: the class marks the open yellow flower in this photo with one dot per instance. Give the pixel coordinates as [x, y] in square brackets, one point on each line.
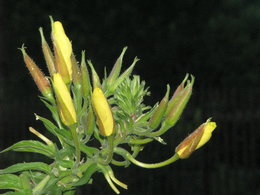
[63, 51]
[64, 101]
[103, 112]
[195, 140]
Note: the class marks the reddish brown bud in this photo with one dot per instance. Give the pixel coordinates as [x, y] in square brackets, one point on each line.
[41, 81]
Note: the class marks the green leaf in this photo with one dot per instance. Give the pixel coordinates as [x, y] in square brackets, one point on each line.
[53, 109]
[31, 146]
[40, 166]
[87, 175]
[10, 181]
[48, 124]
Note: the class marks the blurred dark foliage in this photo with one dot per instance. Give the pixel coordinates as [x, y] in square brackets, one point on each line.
[217, 41]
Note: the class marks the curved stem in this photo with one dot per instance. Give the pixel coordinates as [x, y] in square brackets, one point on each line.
[109, 181]
[161, 131]
[110, 149]
[128, 156]
[126, 162]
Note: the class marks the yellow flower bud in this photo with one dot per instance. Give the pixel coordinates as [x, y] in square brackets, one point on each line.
[195, 140]
[103, 112]
[63, 51]
[64, 101]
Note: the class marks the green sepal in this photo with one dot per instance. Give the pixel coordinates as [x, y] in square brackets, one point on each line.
[121, 78]
[39, 166]
[86, 86]
[157, 116]
[116, 69]
[32, 146]
[176, 95]
[179, 106]
[95, 77]
[90, 123]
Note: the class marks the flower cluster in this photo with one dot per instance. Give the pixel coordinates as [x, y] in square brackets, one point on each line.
[87, 111]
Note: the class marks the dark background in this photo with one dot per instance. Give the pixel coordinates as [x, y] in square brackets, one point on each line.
[217, 41]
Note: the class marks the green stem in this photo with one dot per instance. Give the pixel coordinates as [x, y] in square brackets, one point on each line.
[161, 131]
[110, 151]
[109, 181]
[76, 142]
[140, 141]
[128, 156]
[126, 162]
[70, 192]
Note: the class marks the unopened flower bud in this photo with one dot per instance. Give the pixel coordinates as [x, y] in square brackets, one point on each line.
[64, 101]
[86, 86]
[116, 69]
[76, 73]
[176, 95]
[95, 77]
[63, 51]
[90, 123]
[48, 55]
[195, 140]
[157, 116]
[41, 81]
[176, 110]
[103, 112]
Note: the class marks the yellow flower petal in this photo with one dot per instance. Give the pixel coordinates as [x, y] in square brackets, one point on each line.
[64, 100]
[208, 129]
[63, 48]
[103, 112]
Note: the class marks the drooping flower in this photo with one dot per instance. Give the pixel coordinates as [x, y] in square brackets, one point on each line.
[195, 140]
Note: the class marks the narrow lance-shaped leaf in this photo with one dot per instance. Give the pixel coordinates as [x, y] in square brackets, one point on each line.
[10, 181]
[39, 166]
[31, 146]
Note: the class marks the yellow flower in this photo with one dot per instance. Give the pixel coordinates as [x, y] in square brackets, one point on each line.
[64, 101]
[195, 140]
[63, 51]
[103, 112]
